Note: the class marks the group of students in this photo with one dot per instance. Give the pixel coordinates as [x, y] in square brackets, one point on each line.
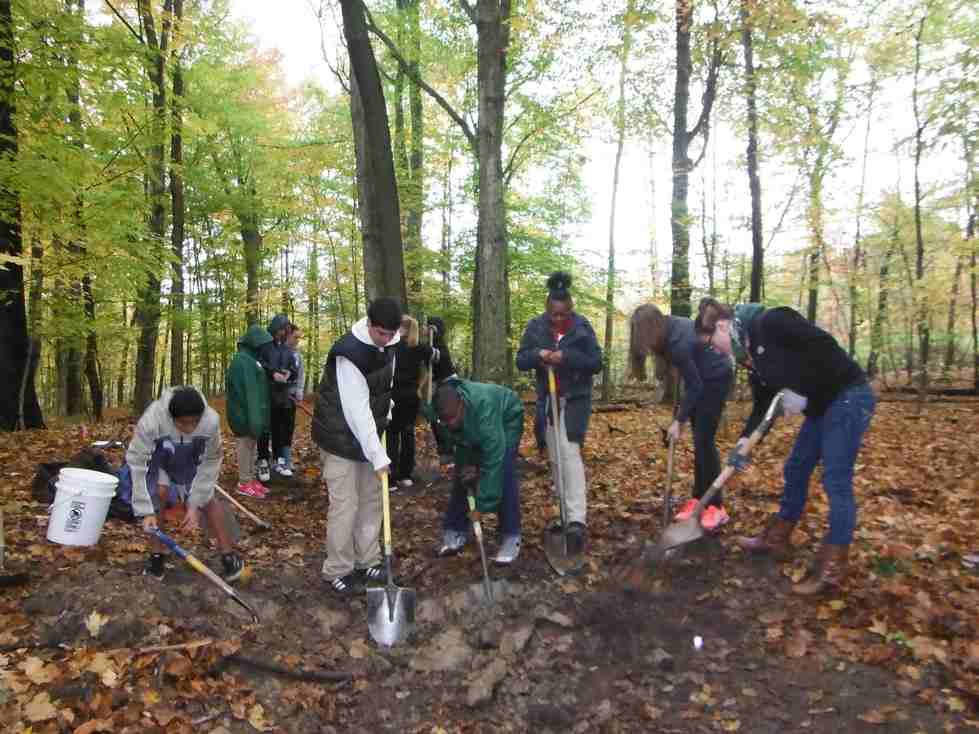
[263, 385]
[370, 387]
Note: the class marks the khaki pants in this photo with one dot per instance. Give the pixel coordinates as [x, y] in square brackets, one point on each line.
[353, 525]
[572, 470]
[247, 451]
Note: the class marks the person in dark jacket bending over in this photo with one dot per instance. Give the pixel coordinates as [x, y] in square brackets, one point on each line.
[484, 423]
[783, 351]
[707, 375]
[564, 340]
[353, 407]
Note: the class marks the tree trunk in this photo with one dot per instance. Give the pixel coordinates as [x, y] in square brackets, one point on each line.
[13, 309]
[620, 146]
[754, 182]
[877, 330]
[383, 255]
[92, 374]
[446, 264]
[950, 326]
[30, 409]
[490, 362]
[680, 289]
[856, 263]
[924, 325]
[177, 323]
[653, 249]
[251, 239]
[148, 308]
[815, 219]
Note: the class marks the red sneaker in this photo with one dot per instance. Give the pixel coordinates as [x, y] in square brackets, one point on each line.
[713, 517]
[687, 510]
[252, 489]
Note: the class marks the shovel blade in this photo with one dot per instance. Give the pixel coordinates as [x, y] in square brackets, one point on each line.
[390, 615]
[561, 559]
[681, 533]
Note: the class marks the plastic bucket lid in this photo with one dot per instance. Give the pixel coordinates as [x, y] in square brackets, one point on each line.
[85, 481]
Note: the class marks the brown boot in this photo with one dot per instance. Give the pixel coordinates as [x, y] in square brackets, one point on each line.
[773, 540]
[829, 571]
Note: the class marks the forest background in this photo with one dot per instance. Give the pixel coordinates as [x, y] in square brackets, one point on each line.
[166, 178]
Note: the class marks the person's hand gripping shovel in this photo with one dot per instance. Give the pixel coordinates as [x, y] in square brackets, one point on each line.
[390, 609]
[560, 556]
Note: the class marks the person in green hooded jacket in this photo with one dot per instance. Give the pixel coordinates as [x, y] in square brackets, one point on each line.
[247, 397]
[484, 424]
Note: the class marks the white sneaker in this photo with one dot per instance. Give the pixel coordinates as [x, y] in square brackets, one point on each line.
[281, 469]
[405, 483]
[263, 470]
[509, 550]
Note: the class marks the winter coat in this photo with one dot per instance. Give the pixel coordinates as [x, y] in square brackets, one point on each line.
[276, 356]
[155, 430]
[492, 423]
[787, 351]
[696, 363]
[582, 361]
[246, 387]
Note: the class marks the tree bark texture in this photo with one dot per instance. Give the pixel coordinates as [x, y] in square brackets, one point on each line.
[924, 325]
[491, 349]
[148, 308]
[620, 146]
[754, 181]
[383, 249]
[680, 288]
[13, 309]
[177, 207]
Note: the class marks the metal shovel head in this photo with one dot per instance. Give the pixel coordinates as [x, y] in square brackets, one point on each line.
[390, 614]
[562, 560]
[680, 533]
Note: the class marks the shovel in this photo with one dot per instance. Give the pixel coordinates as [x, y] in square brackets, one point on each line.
[390, 610]
[478, 532]
[683, 532]
[556, 543]
[204, 571]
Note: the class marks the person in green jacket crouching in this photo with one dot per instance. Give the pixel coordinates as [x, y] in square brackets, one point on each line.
[484, 423]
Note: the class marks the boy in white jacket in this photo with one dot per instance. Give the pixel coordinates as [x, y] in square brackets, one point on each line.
[175, 456]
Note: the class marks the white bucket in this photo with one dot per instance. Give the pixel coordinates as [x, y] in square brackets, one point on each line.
[80, 506]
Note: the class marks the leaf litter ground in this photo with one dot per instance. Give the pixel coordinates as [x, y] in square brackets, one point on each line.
[91, 645]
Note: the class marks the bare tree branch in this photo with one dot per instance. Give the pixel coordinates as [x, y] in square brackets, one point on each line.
[416, 78]
[125, 22]
[469, 10]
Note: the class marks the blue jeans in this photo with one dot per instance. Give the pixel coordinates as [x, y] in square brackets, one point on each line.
[833, 438]
[457, 515]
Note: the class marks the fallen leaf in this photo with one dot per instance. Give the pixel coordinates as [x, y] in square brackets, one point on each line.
[359, 649]
[878, 627]
[35, 669]
[797, 645]
[94, 725]
[256, 717]
[40, 708]
[94, 623]
[773, 616]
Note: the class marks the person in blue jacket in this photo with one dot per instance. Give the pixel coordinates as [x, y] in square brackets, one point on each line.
[707, 375]
[564, 340]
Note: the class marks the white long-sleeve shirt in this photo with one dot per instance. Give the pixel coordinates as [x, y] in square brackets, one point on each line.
[355, 400]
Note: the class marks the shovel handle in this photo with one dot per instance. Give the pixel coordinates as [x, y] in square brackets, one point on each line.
[386, 502]
[245, 510]
[753, 439]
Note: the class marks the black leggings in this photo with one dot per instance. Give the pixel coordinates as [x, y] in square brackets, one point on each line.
[706, 417]
[282, 420]
[401, 438]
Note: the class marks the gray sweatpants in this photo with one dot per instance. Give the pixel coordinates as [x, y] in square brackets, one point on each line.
[572, 470]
